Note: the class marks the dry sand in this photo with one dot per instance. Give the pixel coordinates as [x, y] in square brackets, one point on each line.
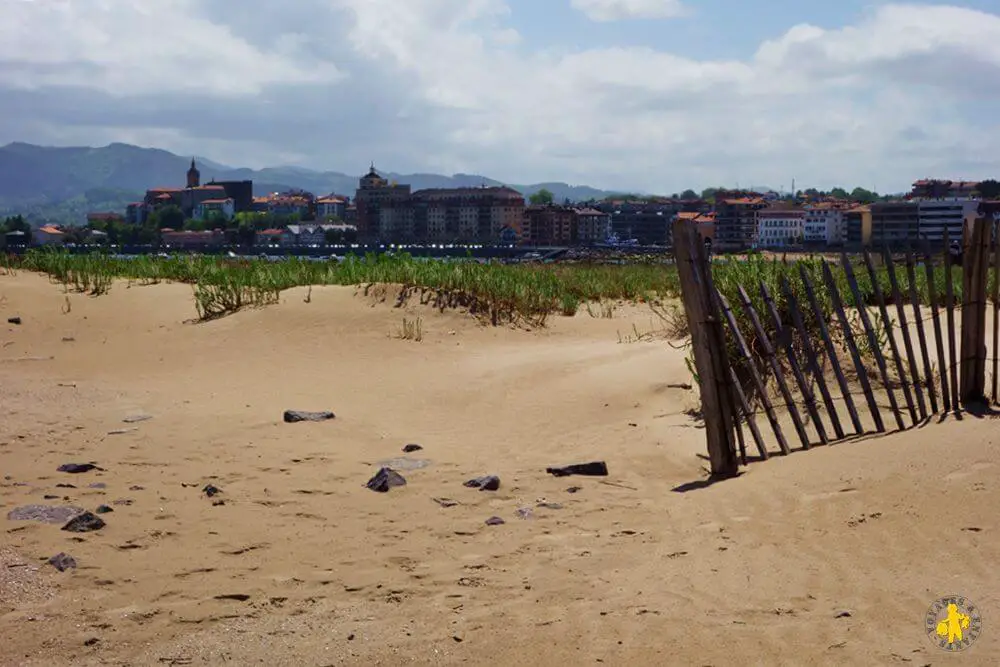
[640, 568]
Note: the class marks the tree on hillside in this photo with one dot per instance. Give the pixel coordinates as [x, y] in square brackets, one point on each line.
[542, 197]
[862, 195]
[194, 225]
[839, 193]
[708, 194]
[689, 194]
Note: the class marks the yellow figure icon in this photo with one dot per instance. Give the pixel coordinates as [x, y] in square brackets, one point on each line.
[953, 625]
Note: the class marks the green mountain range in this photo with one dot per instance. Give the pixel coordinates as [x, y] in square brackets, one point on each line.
[61, 185]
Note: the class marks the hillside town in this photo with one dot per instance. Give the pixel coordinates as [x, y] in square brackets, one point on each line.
[226, 214]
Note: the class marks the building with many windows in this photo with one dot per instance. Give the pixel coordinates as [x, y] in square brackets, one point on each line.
[780, 228]
[895, 225]
[824, 224]
[373, 194]
[937, 215]
[736, 221]
[857, 226]
[549, 225]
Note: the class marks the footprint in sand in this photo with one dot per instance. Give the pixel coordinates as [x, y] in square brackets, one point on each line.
[971, 470]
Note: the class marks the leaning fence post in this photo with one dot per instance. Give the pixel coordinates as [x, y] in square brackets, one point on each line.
[709, 345]
[975, 269]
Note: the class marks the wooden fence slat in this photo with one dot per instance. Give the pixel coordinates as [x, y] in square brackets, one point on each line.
[911, 277]
[996, 304]
[949, 290]
[975, 269]
[748, 416]
[744, 349]
[772, 360]
[838, 307]
[911, 358]
[709, 346]
[831, 351]
[812, 358]
[793, 363]
[893, 346]
[938, 337]
[866, 323]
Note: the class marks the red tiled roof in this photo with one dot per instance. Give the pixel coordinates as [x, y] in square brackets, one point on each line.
[215, 201]
[744, 200]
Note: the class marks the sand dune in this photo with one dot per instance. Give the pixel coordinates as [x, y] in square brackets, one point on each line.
[302, 565]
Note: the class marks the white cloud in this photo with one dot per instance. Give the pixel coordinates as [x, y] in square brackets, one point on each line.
[616, 10]
[448, 85]
[129, 47]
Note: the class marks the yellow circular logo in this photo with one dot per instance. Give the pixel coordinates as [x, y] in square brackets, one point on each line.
[953, 623]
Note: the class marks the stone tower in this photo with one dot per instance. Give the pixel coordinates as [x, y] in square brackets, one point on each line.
[193, 176]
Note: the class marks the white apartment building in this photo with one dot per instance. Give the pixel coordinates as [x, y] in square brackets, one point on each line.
[824, 224]
[226, 208]
[780, 228]
[936, 215]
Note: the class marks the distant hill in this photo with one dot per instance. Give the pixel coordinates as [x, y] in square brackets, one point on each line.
[49, 184]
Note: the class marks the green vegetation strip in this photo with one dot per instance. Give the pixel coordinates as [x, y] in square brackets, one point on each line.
[497, 292]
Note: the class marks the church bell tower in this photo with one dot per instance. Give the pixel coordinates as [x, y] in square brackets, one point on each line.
[193, 176]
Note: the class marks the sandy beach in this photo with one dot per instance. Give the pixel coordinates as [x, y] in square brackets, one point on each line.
[825, 557]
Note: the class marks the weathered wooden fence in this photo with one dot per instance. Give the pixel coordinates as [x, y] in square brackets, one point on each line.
[773, 364]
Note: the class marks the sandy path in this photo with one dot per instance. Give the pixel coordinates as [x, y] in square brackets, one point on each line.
[631, 571]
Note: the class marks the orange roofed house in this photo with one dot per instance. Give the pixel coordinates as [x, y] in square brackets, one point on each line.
[704, 222]
[48, 235]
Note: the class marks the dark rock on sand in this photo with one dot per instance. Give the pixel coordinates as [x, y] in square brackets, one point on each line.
[487, 483]
[211, 490]
[77, 467]
[495, 521]
[385, 479]
[412, 448]
[97, 485]
[292, 416]
[594, 469]
[103, 509]
[123, 501]
[84, 523]
[13, 320]
[445, 502]
[62, 562]
[239, 597]
[44, 513]
[65, 486]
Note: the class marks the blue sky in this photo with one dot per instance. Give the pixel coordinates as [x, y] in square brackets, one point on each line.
[718, 29]
[830, 93]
